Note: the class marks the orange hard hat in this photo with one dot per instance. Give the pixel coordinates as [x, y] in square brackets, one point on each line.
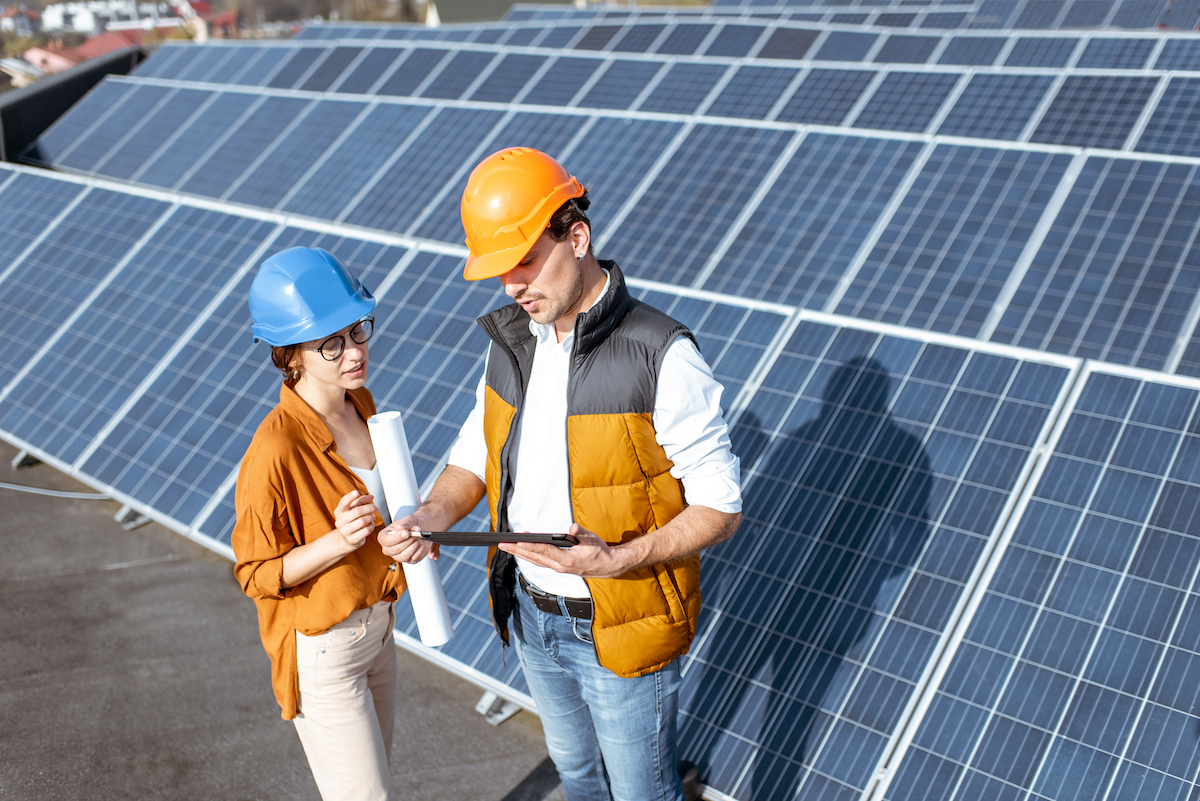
[509, 200]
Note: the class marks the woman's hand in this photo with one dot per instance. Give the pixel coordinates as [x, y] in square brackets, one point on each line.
[402, 541]
[354, 519]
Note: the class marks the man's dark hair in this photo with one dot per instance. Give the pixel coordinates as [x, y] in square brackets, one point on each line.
[569, 213]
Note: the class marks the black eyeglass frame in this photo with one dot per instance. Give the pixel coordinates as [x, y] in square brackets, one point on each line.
[341, 338]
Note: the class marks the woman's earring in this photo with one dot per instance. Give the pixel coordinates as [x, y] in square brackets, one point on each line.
[578, 257]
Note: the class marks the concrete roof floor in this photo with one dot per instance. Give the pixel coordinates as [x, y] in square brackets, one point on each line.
[131, 669]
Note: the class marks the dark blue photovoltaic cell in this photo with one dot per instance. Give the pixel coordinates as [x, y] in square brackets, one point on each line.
[900, 49]
[812, 221]
[328, 192]
[620, 84]
[76, 255]
[401, 194]
[284, 165]
[559, 36]
[825, 96]
[508, 78]
[895, 20]
[596, 37]
[1095, 110]
[413, 71]
[331, 69]
[215, 176]
[1041, 52]
[950, 246]
[1139, 14]
[612, 159]
[368, 72]
[208, 60]
[162, 62]
[683, 88]
[1087, 13]
[258, 70]
[1040, 14]
[1118, 270]
[196, 135]
[684, 38]
[788, 43]
[77, 386]
[734, 41]
[28, 205]
[972, 50]
[186, 435]
[996, 106]
[1172, 127]
[295, 66]
[240, 56]
[1077, 677]
[549, 133]
[946, 20]
[459, 73]
[846, 46]
[71, 129]
[1116, 54]
[638, 38]
[150, 133]
[562, 81]
[1179, 54]
[752, 92]
[875, 469]
[906, 101]
[685, 211]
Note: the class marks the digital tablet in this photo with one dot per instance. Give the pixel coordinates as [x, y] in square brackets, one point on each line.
[495, 538]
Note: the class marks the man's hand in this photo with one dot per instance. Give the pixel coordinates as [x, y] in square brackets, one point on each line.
[592, 557]
[402, 541]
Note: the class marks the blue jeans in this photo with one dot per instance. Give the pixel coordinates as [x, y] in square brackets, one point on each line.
[611, 739]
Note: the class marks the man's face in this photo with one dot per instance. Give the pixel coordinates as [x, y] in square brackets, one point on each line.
[548, 282]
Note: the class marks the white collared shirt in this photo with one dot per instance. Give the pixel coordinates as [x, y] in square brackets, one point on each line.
[688, 424]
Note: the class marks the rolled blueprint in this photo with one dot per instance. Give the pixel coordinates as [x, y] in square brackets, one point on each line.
[402, 497]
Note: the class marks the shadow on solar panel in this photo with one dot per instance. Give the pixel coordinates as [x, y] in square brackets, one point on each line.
[845, 501]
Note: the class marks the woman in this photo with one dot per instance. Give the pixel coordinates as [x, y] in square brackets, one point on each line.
[306, 511]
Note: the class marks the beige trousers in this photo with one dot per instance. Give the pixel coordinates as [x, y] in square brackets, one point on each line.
[347, 705]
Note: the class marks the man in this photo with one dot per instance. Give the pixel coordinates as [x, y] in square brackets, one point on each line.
[596, 416]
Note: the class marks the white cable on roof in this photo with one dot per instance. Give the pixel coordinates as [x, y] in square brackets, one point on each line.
[86, 496]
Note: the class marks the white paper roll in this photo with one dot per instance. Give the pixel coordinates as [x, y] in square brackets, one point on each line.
[403, 497]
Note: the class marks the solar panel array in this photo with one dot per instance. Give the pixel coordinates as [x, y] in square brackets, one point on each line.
[948, 279]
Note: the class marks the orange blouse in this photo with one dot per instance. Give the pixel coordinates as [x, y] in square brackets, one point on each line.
[289, 484]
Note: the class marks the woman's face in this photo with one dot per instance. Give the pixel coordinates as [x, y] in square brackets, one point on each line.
[348, 370]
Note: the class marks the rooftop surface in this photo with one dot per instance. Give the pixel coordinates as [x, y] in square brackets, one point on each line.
[132, 669]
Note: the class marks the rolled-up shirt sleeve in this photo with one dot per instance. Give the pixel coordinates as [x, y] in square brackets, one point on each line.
[691, 429]
[261, 537]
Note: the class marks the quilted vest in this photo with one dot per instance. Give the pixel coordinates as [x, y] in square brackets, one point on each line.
[620, 481]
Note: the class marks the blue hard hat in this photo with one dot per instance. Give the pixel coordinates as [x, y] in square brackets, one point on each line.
[300, 294]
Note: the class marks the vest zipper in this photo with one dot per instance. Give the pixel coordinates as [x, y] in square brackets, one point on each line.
[570, 494]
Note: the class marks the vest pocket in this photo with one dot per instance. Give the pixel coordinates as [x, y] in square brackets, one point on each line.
[666, 582]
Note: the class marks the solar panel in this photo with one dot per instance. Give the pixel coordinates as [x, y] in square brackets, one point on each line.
[898, 314]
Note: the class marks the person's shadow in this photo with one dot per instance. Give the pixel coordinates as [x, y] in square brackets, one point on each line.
[832, 522]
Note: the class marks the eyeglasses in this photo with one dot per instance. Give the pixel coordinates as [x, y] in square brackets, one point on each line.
[331, 349]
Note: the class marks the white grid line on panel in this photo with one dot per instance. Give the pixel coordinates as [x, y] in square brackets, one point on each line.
[1036, 238]
[652, 84]
[935, 56]
[319, 162]
[432, 75]
[169, 143]
[644, 184]
[979, 580]
[748, 210]
[718, 87]
[707, 41]
[49, 341]
[1186, 332]
[788, 91]
[369, 184]
[605, 63]
[881, 224]
[483, 75]
[948, 104]
[549, 59]
[219, 142]
[580, 136]
[1035, 118]
[387, 74]
[876, 46]
[267, 149]
[761, 41]
[177, 346]
[132, 131]
[7, 179]
[1006, 50]
[1139, 127]
[867, 93]
[53, 224]
[84, 135]
[349, 69]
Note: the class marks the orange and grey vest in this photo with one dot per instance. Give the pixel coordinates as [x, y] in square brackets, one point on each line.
[619, 476]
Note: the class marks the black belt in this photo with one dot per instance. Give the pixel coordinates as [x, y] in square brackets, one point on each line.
[576, 607]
